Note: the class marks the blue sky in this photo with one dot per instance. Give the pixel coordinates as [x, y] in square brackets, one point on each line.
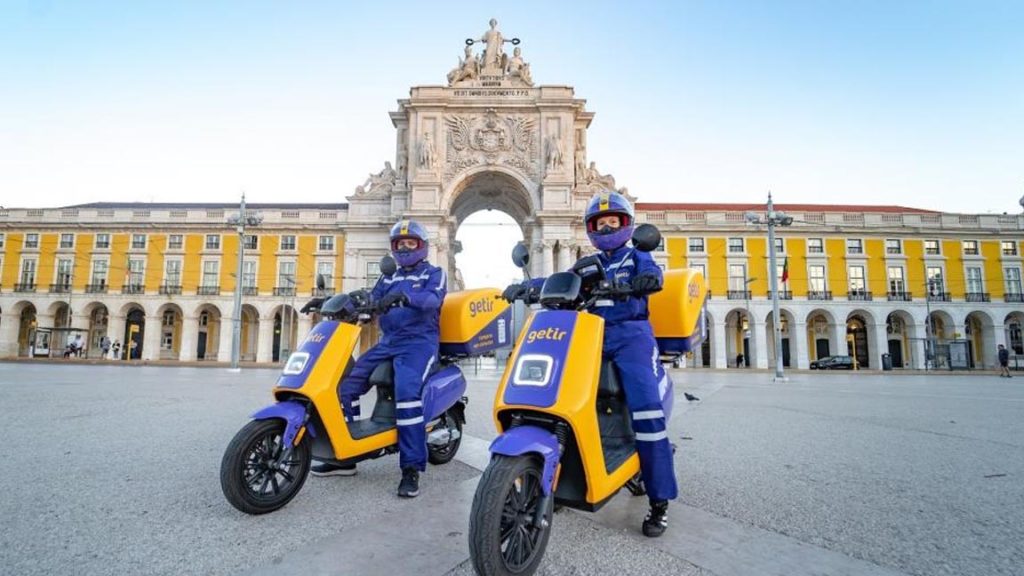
[914, 103]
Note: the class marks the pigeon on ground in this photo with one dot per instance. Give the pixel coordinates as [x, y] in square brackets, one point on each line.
[690, 397]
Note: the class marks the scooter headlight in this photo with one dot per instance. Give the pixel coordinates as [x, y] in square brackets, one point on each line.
[532, 370]
[296, 363]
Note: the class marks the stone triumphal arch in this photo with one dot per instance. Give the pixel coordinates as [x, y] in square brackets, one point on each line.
[488, 139]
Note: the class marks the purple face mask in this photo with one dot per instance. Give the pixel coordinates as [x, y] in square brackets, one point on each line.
[608, 241]
[410, 258]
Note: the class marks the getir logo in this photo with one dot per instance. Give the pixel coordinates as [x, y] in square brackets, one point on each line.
[480, 306]
[546, 334]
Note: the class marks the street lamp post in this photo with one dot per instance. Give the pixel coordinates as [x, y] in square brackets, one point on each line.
[240, 221]
[773, 219]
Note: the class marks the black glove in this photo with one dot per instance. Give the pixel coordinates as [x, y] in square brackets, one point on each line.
[390, 301]
[645, 284]
[514, 292]
[313, 304]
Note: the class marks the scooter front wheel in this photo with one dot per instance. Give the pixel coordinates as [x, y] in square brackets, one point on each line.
[256, 475]
[504, 538]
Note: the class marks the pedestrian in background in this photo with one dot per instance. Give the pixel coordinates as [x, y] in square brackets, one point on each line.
[104, 346]
[1004, 362]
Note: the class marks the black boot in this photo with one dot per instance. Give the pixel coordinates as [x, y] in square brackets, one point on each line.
[328, 469]
[657, 519]
[409, 487]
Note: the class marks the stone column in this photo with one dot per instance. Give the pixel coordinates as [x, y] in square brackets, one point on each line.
[917, 347]
[798, 338]
[991, 337]
[10, 325]
[189, 337]
[304, 326]
[151, 338]
[878, 344]
[115, 331]
[564, 256]
[265, 340]
[548, 257]
[759, 335]
[719, 350]
[838, 345]
[227, 329]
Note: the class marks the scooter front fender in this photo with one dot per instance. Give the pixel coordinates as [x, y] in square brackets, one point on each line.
[523, 440]
[294, 415]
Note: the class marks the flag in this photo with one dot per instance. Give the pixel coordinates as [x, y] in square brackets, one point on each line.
[785, 269]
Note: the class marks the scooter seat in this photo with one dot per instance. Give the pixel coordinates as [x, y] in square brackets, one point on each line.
[608, 384]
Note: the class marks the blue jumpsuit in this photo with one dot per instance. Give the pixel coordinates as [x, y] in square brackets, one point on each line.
[629, 343]
[410, 342]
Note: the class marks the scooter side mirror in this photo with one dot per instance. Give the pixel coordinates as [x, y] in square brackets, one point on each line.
[388, 265]
[646, 237]
[521, 255]
[321, 282]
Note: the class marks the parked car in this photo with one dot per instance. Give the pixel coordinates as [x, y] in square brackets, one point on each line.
[833, 363]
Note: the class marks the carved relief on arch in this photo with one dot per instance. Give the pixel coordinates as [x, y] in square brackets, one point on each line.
[488, 139]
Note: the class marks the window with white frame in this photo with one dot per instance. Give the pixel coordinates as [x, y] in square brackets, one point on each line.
[854, 246]
[1012, 276]
[735, 245]
[64, 271]
[1008, 247]
[780, 245]
[856, 278]
[249, 274]
[102, 241]
[970, 247]
[894, 246]
[251, 242]
[695, 245]
[700, 268]
[31, 240]
[326, 243]
[138, 241]
[975, 285]
[932, 248]
[816, 278]
[174, 242]
[737, 277]
[1, 239]
[136, 272]
[897, 285]
[28, 271]
[213, 241]
[67, 240]
[372, 273]
[99, 272]
[778, 273]
[286, 274]
[211, 273]
[326, 269]
[172, 272]
[288, 242]
[936, 286]
[815, 246]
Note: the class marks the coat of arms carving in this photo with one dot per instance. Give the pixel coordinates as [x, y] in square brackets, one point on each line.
[491, 139]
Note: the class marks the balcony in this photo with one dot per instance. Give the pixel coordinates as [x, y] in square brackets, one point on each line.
[819, 295]
[898, 296]
[326, 292]
[940, 297]
[60, 288]
[738, 294]
[784, 295]
[133, 289]
[1008, 297]
[169, 289]
[284, 291]
[250, 291]
[25, 287]
[977, 297]
[208, 291]
[96, 288]
[859, 296]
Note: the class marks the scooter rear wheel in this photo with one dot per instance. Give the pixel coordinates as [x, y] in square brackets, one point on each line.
[438, 455]
[503, 538]
[252, 475]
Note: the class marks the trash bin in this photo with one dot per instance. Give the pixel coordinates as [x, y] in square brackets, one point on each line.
[886, 362]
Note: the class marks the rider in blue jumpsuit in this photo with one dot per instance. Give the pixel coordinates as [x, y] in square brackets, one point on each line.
[409, 302]
[629, 343]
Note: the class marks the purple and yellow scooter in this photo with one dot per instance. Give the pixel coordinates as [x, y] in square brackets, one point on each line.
[565, 434]
[267, 462]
